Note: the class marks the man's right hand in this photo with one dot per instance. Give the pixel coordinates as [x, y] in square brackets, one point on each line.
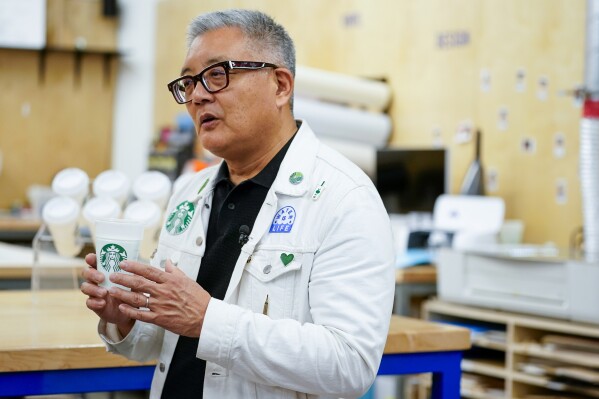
[104, 305]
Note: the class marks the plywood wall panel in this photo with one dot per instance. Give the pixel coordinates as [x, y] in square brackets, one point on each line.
[438, 88]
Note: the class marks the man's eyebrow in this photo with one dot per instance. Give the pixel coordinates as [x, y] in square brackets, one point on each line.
[211, 61]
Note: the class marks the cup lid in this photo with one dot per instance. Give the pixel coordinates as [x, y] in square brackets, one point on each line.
[71, 182]
[112, 183]
[101, 208]
[61, 210]
[119, 229]
[152, 185]
[144, 211]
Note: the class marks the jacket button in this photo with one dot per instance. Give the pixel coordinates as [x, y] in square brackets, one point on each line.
[162, 367]
[231, 206]
[199, 241]
[267, 269]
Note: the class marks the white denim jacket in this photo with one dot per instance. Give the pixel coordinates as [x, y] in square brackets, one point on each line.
[321, 250]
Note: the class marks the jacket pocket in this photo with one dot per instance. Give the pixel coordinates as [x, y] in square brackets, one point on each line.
[268, 283]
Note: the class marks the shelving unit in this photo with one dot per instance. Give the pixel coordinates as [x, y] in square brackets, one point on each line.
[521, 356]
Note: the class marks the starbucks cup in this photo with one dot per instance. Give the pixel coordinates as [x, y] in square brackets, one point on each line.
[60, 215]
[149, 214]
[71, 182]
[116, 240]
[99, 208]
[153, 186]
[113, 184]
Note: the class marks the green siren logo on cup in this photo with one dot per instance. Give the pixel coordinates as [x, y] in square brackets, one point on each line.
[179, 220]
[111, 256]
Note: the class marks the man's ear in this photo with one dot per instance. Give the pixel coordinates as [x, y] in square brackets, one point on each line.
[284, 80]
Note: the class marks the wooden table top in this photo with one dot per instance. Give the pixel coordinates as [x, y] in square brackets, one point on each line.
[12, 223]
[416, 274]
[52, 330]
[16, 262]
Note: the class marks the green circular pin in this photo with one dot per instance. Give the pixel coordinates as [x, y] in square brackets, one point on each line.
[180, 219]
[296, 178]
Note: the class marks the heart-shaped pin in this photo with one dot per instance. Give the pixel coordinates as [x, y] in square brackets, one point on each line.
[286, 258]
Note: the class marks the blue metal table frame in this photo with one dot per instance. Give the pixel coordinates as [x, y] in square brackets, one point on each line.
[445, 367]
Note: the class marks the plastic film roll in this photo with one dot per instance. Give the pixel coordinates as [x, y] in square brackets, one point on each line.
[336, 121]
[362, 155]
[341, 88]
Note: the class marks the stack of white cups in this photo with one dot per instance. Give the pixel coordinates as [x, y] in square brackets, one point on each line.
[589, 181]
[148, 214]
[113, 184]
[153, 186]
[100, 208]
[61, 213]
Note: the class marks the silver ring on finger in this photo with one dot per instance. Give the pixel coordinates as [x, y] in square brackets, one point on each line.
[148, 302]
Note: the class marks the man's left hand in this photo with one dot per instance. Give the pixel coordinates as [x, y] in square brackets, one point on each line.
[176, 302]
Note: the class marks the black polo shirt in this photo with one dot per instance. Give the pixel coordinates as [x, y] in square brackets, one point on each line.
[232, 207]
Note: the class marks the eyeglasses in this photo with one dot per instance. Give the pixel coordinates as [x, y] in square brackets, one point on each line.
[214, 78]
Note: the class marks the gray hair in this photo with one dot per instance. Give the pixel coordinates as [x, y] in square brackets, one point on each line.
[258, 27]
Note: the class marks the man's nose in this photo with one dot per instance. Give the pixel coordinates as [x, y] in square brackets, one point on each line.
[200, 94]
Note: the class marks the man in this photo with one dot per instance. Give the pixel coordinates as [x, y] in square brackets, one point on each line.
[278, 282]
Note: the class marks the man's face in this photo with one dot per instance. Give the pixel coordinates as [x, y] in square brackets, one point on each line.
[235, 121]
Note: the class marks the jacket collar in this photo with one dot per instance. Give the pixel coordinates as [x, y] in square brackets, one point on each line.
[300, 157]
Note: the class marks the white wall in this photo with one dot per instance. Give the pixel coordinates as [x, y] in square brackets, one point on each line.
[134, 96]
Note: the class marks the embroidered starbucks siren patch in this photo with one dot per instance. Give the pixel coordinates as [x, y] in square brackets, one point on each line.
[180, 219]
[111, 255]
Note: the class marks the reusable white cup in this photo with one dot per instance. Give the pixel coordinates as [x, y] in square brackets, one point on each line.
[60, 215]
[153, 186]
[149, 214]
[99, 208]
[71, 182]
[182, 181]
[114, 184]
[116, 240]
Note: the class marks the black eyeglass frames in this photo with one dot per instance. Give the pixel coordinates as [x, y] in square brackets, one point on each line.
[214, 78]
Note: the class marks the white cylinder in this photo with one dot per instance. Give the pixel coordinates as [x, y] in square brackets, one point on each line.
[589, 184]
[71, 182]
[336, 121]
[153, 186]
[362, 155]
[149, 214]
[100, 208]
[113, 184]
[60, 215]
[341, 88]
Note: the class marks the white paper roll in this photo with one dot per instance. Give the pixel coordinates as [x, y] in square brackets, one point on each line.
[362, 155]
[336, 121]
[341, 88]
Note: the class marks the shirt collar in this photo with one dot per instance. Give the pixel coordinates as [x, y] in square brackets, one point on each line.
[266, 176]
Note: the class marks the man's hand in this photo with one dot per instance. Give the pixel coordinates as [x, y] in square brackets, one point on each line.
[176, 302]
[104, 305]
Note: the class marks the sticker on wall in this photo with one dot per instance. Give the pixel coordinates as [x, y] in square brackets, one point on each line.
[561, 191]
[502, 119]
[542, 88]
[492, 183]
[25, 109]
[520, 80]
[559, 145]
[528, 145]
[485, 80]
[351, 19]
[463, 133]
[437, 137]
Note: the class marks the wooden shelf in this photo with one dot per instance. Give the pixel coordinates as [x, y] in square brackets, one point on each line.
[528, 338]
